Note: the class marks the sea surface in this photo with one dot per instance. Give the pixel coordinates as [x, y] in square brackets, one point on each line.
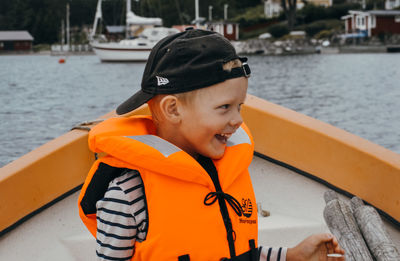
[41, 99]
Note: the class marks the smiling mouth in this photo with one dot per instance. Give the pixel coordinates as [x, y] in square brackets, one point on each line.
[223, 137]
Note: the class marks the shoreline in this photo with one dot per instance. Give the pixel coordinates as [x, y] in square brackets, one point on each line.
[300, 46]
[50, 53]
[256, 47]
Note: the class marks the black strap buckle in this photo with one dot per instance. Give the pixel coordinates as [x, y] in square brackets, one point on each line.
[246, 70]
[240, 71]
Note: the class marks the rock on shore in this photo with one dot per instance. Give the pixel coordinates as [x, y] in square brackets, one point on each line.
[266, 47]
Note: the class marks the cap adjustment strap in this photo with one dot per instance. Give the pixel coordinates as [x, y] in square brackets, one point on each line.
[246, 70]
[237, 72]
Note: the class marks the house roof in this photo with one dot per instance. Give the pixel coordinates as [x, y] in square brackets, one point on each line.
[375, 12]
[220, 22]
[15, 36]
[274, 1]
[385, 12]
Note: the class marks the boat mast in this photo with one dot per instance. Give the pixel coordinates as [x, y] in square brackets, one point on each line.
[68, 29]
[97, 17]
[196, 3]
[226, 12]
[62, 35]
[128, 9]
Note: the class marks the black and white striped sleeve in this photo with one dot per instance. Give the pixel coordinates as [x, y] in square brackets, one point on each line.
[120, 213]
[272, 253]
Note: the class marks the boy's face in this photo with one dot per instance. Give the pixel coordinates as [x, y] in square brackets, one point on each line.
[210, 117]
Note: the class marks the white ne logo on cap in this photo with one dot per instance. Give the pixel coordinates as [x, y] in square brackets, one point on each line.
[161, 80]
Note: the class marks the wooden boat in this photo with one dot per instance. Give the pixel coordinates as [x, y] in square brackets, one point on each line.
[38, 192]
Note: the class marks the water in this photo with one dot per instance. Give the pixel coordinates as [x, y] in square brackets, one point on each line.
[41, 99]
[359, 93]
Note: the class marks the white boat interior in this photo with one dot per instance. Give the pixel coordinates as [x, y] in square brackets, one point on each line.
[295, 204]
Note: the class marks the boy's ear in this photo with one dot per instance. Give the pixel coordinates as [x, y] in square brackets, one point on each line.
[169, 108]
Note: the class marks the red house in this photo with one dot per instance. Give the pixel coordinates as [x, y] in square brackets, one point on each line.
[373, 22]
[227, 29]
[15, 41]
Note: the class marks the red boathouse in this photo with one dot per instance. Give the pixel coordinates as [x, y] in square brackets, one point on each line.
[373, 22]
[15, 41]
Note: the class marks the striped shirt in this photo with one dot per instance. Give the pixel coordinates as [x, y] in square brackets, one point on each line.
[122, 218]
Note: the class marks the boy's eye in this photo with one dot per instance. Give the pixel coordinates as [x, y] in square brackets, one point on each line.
[225, 106]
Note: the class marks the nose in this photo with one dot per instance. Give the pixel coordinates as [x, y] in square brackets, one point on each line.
[236, 120]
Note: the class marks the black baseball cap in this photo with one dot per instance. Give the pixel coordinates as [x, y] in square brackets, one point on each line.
[184, 62]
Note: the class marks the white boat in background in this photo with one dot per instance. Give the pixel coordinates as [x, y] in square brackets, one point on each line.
[132, 50]
[142, 33]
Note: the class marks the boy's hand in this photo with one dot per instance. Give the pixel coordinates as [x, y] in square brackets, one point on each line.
[316, 248]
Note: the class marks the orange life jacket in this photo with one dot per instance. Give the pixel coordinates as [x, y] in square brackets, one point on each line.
[183, 205]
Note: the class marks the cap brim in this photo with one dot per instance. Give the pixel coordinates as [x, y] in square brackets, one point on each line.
[134, 102]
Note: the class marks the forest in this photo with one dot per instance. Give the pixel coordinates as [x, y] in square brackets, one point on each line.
[43, 18]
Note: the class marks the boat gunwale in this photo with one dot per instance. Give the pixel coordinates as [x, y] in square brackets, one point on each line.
[257, 154]
[347, 162]
[272, 113]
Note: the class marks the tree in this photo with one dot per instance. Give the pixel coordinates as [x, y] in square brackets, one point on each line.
[289, 8]
[43, 18]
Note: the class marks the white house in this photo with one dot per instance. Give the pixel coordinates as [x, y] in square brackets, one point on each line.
[391, 4]
[272, 8]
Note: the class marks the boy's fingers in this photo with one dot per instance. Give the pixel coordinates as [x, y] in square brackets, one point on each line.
[336, 246]
[337, 249]
[326, 237]
[331, 245]
[329, 248]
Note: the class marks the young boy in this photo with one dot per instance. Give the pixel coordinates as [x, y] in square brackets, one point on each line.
[173, 186]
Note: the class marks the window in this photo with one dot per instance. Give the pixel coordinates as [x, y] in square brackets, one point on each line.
[229, 29]
[360, 22]
[373, 21]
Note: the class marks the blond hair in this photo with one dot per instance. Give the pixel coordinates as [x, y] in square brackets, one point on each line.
[183, 97]
[232, 64]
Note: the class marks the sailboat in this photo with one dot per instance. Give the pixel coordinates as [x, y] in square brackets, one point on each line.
[130, 50]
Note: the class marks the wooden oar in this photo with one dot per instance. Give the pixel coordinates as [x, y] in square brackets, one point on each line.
[342, 224]
[374, 232]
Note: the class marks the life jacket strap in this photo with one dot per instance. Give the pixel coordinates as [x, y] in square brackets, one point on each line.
[184, 258]
[233, 202]
[251, 255]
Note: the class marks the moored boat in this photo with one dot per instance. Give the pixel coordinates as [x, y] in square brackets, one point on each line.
[137, 45]
[287, 143]
[132, 50]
